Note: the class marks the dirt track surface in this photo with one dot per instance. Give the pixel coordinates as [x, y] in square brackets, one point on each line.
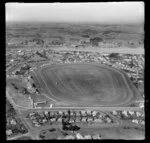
[87, 85]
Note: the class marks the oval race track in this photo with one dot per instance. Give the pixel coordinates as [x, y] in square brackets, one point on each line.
[87, 85]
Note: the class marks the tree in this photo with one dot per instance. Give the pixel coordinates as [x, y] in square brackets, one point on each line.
[114, 55]
[85, 36]
[95, 41]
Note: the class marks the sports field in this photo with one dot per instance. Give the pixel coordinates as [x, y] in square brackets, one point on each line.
[87, 85]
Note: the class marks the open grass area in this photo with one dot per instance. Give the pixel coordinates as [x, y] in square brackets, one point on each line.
[88, 85]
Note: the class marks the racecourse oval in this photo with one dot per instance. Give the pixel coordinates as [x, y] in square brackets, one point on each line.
[86, 84]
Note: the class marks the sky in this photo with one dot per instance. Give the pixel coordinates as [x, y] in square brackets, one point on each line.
[106, 12]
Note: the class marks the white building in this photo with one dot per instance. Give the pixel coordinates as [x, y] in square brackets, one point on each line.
[125, 113]
[135, 121]
[131, 112]
[138, 114]
[79, 136]
[114, 112]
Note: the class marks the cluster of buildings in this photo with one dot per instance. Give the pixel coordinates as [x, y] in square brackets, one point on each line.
[134, 116]
[21, 42]
[79, 136]
[70, 117]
